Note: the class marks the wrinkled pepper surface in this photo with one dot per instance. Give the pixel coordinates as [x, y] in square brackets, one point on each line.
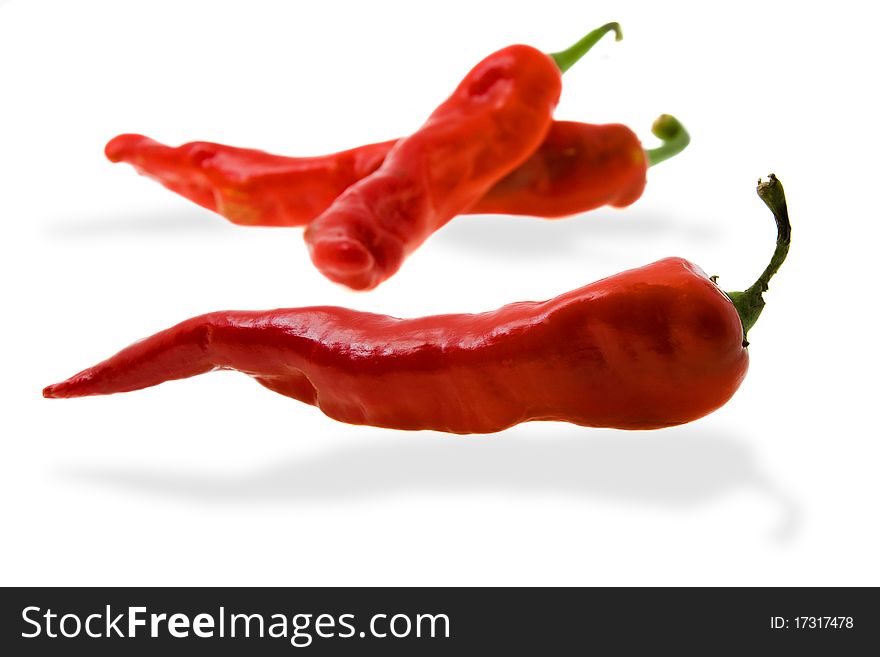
[652, 347]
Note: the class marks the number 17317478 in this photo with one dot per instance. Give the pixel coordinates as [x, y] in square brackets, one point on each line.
[812, 622]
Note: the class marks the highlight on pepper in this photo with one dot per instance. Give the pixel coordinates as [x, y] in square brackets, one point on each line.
[648, 348]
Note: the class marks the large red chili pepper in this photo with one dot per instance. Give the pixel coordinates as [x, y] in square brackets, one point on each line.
[578, 167]
[648, 348]
[497, 116]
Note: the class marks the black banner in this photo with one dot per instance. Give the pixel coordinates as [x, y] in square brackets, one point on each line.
[435, 621]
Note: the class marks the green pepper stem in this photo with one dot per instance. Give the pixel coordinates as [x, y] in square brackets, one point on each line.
[750, 303]
[565, 59]
[675, 139]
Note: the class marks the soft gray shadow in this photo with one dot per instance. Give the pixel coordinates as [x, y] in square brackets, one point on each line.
[652, 469]
[489, 235]
[513, 237]
[186, 220]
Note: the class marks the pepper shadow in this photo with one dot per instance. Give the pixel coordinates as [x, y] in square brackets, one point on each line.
[141, 224]
[513, 237]
[672, 469]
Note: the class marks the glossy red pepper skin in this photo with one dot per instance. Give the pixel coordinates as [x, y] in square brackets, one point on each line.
[495, 119]
[647, 348]
[578, 167]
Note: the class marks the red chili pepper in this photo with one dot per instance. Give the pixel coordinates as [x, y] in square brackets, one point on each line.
[251, 187]
[578, 167]
[648, 348]
[581, 167]
[492, 122]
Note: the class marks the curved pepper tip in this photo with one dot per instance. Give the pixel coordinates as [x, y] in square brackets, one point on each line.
[344, 261]
[53, 391]
[749, 303]
[121, 147]
[72, 387]
[674, 136]
[618, 31]
[666, 127]
[565, 59]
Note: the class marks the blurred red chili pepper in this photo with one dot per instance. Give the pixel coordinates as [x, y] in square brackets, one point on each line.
[581, 167]
[251, 187]
[492, 122]
[577, 168]
[648, 348]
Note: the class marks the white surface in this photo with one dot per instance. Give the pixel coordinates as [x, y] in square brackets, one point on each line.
[215, 480]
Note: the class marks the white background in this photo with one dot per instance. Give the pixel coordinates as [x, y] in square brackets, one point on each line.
[215, 480]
